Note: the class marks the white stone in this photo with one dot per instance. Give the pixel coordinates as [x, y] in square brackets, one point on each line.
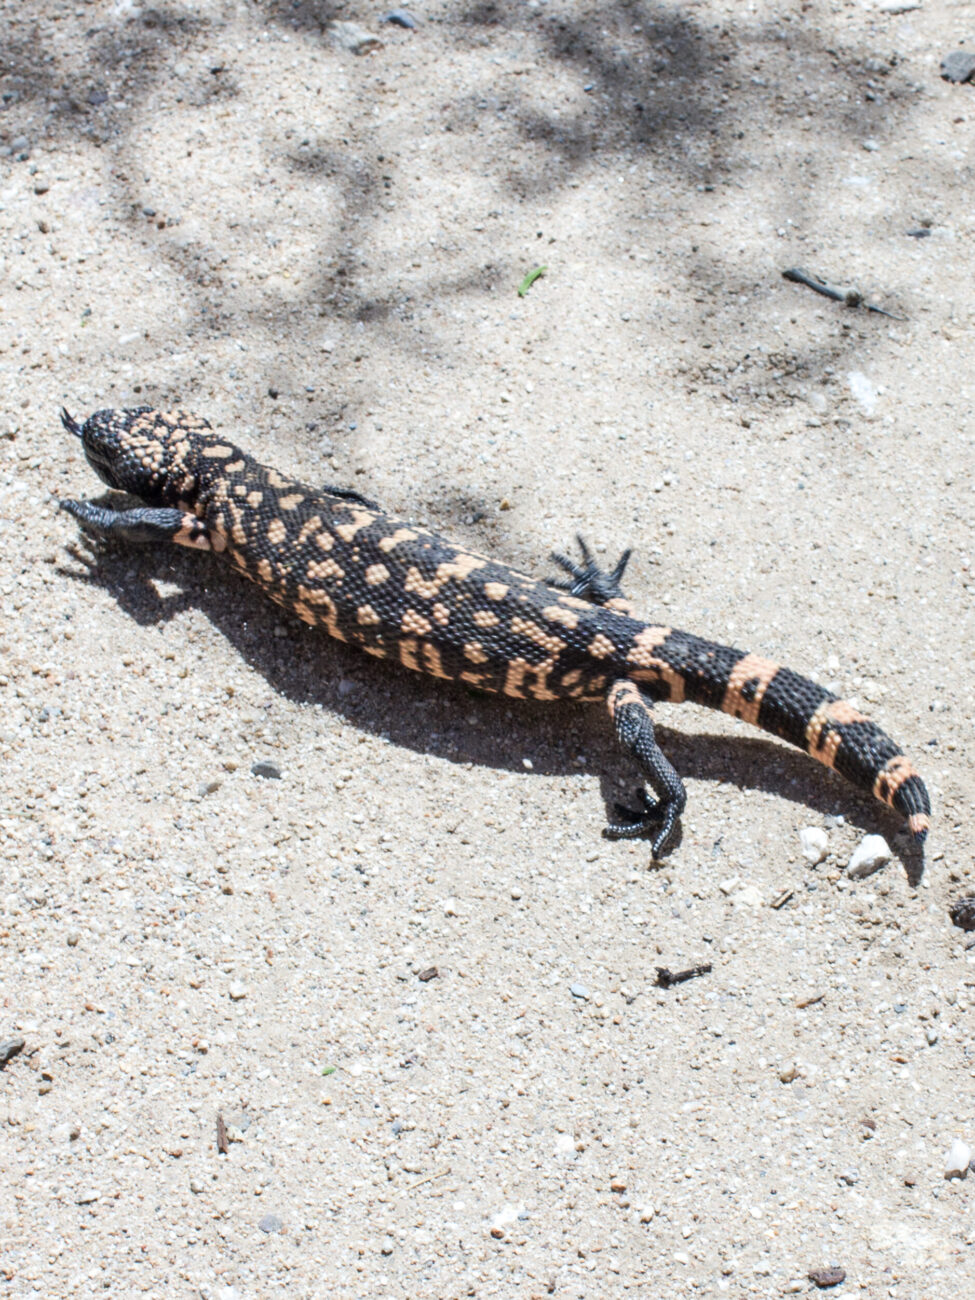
[814, 843]
[750, 896]
[869, 856]
[958, 1159]
[237, 991]
[863, 391]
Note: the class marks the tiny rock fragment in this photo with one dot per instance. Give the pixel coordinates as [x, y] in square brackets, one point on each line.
[962, 913]
[618, 1185]
[87, 1197]
[789, 1072]
[223, 1145]
[399, 18]
[898, 6]
[579, 991]
[869, 856]
[352, 37]
[270, 771]
[748, 896]
[270, 1223]
[425, 976]
[237, 991]
[827, 1277]
[451, 907]
[958, 1159]
[814, 844]
[9, 1049]
[958, 66]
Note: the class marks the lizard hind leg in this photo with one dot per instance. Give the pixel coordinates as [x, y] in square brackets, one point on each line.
[631, 717]
[588, 581]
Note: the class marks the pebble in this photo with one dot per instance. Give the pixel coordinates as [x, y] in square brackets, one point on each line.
[827, 1277]
[270, 771]
[869, 856]
[814, 844]
[958, 66]
[962, 912]
[270, 1223]
[750, 896]
[788, 1073]
[399, 18]
[9, 1049]
[237, 991]
[352, 37]
[579, 991]
[451, 907]
[957, 1159]
[898, 6]
[196, 1187]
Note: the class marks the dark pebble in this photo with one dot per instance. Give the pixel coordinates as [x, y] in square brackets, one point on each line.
[9, 1049]
[270, 771]
[270, 1223]
[962, 912]
[827, 1277]
[921, 233]
[97, 97]
[430, 973]
[399, 18]
[958, 66]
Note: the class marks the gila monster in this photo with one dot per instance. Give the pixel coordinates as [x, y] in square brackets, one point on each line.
[332, 557]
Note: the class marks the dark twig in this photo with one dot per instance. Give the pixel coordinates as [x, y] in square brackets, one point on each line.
[851, 297]
[666, 978]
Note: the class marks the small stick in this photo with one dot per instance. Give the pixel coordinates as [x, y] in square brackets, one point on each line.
[223, 1146]
[666, 978]
[429, 1179]
[851, 297]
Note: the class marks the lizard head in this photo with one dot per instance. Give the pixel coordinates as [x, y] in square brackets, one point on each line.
[141, 451]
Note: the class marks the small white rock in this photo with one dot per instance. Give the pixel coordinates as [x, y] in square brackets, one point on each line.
[869, 856]
[958, 1159]
[352, 37]
[730, 885]
[237, 991]
[814, 843]
[750, 896]
[451, 907]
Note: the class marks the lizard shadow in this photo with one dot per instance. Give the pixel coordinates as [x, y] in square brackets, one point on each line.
[445, 719]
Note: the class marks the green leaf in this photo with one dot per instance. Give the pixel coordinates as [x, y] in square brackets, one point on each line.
[530, 279]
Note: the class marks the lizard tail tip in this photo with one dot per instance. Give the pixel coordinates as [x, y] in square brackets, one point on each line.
[70, 423]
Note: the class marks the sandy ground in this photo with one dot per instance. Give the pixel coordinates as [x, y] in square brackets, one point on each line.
[217, 204]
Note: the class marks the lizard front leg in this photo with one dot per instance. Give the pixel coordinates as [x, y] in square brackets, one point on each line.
[143, 524]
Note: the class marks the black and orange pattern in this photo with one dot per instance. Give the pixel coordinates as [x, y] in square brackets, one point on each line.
[336, 560]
